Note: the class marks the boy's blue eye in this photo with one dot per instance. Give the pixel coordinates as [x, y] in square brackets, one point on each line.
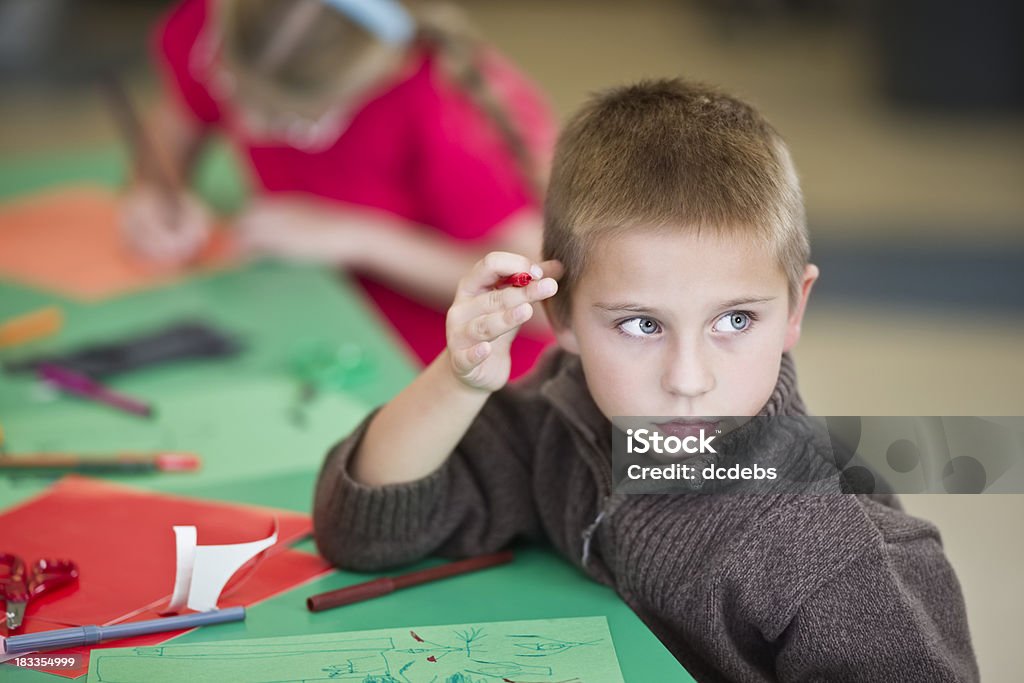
[639, 327]
[734, 321]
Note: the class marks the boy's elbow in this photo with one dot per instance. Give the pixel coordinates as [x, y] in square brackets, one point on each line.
[351, 539]
[366, 528]
[332, 528]
[343, 550]
[352, 554]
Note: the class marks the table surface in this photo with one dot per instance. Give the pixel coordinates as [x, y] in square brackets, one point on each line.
[239, 414]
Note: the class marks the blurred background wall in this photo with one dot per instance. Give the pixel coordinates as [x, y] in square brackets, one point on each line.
[906, 120]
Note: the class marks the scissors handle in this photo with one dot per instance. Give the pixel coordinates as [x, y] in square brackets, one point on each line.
[48, 575]
[12, 578]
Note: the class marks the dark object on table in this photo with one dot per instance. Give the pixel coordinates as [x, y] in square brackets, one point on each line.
[385, 585]
[186, 340]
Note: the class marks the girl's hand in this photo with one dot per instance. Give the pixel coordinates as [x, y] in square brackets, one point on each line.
[295, 230]
[484, 319]
[166, 229]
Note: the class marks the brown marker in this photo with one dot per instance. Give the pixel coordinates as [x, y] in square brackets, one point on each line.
[379, 587]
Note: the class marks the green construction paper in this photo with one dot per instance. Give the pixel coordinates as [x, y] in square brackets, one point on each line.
[245, 416]
[241, 430]
[563, 650]
[538, 584]
[275, 309]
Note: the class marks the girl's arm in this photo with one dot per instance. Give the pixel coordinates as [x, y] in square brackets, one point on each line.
[378, 244]
[443, 259]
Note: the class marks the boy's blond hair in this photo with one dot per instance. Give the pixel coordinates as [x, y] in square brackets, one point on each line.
[670, 154]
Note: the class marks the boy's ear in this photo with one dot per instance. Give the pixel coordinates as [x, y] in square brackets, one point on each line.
[563, 331]
[796, 318]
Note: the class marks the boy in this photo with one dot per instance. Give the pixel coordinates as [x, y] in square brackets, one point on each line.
[675, 225]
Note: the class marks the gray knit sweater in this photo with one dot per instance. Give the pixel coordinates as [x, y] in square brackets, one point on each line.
[738, 588]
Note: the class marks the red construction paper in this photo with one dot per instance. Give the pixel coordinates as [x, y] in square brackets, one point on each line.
[123, 542]
[67, 241]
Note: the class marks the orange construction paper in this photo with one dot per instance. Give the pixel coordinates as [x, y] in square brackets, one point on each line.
[67, 241]
[123, 542]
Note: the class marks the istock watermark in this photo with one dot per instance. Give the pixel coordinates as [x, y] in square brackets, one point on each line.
[643, 441]
[818, 454]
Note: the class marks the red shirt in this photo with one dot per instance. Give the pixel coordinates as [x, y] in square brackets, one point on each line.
[420, 150]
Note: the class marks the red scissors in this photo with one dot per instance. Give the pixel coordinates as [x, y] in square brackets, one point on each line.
[20, 583]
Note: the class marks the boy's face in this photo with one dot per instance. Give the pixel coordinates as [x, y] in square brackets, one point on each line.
[675, 324]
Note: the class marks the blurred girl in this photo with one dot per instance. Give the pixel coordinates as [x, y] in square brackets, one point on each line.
[392, 143]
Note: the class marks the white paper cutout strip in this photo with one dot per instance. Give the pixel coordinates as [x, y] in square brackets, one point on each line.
[204, 570]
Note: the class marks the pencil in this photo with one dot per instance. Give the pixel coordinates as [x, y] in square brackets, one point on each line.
[81, 636]
[116, 463]
[30, 326]
[379, 587]
[146, 160]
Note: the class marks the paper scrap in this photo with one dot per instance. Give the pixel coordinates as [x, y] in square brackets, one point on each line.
[204, 570]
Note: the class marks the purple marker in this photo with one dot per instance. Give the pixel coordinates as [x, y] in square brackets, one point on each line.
[80, 385]
[81, 636]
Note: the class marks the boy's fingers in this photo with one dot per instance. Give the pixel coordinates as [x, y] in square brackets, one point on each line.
[497, 300]
[492, 268]
[465, 360]
[491, 326]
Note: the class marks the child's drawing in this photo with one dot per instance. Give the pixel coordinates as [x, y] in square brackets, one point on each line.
[553, 651]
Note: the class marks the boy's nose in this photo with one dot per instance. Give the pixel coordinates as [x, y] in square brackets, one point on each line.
[687, 373]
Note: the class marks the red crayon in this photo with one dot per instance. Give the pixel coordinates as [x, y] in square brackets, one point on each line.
[517, 280]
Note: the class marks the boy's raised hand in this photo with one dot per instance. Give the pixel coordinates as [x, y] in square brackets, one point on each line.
[484, 318]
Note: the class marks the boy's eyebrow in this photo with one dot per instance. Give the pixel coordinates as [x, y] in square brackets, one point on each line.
[624, 306]
[639, 308]
[746, 300]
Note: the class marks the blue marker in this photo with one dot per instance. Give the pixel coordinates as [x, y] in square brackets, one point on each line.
[91, 635]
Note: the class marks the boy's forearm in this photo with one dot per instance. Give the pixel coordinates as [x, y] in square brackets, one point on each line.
[416, 432]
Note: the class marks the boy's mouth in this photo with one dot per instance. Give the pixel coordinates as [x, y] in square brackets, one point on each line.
[684, 427]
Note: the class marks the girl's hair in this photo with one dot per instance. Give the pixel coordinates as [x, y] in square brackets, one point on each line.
[308, 51]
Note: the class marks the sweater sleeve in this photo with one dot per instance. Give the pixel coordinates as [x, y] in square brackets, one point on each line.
[895, 613]
[476, 502]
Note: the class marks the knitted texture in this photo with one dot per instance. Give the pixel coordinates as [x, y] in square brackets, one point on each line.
[737, 587]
